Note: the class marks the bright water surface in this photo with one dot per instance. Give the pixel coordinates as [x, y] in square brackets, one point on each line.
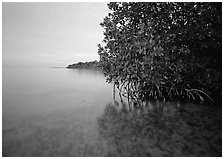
[53, 111]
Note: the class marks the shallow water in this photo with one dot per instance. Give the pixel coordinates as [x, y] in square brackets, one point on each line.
[65, 112]
[52, 111]
[150, 132]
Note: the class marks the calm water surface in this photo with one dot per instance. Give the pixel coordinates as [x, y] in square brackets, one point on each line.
[62, 112]
[53, 111]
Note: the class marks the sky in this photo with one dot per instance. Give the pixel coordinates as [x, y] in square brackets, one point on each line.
[51, 34]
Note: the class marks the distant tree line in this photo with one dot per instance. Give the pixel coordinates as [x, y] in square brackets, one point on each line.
[85, 65]
[163, 51]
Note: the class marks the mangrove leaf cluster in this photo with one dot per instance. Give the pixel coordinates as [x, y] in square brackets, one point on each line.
[163, 51]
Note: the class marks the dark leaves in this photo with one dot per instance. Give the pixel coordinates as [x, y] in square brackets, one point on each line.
[162, 45]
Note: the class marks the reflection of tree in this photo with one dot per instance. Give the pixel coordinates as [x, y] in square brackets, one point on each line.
[137, 132]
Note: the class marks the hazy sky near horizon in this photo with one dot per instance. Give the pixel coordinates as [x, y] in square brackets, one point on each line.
[51, 34]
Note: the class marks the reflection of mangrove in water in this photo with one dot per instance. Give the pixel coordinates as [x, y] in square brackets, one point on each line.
[151, 131]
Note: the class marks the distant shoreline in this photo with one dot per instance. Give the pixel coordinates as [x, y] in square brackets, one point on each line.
[57, 67]
[85, 65]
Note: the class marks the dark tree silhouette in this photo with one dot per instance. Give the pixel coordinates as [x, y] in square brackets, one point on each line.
[163, 51]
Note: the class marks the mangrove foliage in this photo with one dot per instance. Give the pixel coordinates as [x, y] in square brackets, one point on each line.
[163, 51]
